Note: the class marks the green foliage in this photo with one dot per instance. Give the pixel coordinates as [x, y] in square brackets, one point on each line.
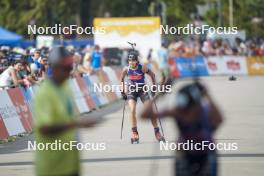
[179, 11]
[16, 14]
[243, 13]
[121, 8]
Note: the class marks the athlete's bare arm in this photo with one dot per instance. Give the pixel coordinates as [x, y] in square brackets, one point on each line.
[15, 79]
[122, 79]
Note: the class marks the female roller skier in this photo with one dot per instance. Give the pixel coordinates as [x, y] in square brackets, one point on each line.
[135, 73]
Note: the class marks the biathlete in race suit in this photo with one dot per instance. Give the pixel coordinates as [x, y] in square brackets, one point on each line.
[135, 73]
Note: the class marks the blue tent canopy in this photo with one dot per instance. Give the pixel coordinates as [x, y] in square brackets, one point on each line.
[9, 38]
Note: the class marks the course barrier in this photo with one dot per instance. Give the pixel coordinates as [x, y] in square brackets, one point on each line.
[216, 65]
[16, 103]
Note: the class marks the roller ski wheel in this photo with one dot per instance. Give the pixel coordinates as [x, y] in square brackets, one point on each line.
[135, 138]
[159, 137]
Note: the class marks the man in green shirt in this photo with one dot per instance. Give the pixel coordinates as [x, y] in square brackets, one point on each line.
[55, 121]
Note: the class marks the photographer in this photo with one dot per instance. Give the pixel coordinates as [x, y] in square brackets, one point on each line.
[197, 118]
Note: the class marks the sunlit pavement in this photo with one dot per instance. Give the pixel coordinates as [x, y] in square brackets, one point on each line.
[241, 101]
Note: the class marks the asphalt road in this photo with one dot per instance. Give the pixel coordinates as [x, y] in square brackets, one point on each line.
[241, 101]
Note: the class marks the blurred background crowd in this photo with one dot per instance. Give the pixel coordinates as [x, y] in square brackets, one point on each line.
[25, 67]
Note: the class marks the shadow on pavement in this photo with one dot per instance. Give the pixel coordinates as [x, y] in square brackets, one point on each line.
[21, 143]
[140, 158]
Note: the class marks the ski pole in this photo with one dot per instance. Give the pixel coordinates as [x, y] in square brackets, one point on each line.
[122, 124]
[158, 117]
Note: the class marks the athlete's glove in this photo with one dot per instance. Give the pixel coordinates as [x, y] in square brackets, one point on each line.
[124, 96]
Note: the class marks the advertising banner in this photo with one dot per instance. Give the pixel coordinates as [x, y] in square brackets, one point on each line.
[85, 92]
[93, 94]
[113, 79]
[189, 67]
[106, 82]
[3, 130]
[255, 65]
[100, 93]
[173, 67]
[235, 65]
[144, 31]
[78, 96]
[9, 115]
[215, 65]
[22, 108]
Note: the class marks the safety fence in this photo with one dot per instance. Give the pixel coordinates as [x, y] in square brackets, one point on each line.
[216, 65]
[16, 103]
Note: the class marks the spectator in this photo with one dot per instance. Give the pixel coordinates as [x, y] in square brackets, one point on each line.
[241, 47]
[149, 57]
[227, 50]
[45, 71]
[25, 74]
[25, 70]
[163, 63]
[87, 60]
[10, 78]
[78, 68]
[262, 44]
[34, 61]
[207, 48]
[3, 63]
[96, 59]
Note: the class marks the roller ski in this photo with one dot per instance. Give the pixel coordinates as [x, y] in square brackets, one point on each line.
[158, 136]
[135, 137]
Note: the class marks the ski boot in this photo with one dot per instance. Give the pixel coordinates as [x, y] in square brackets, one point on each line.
[135, 136]
[158, 136]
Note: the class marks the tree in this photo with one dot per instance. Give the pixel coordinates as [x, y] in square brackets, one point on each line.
[244, 12]
[17, 14]
[179, 11]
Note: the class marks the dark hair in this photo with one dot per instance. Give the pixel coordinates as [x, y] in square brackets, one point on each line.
[96, 47]
[16, 62]
[37, 51]
[25, 63]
